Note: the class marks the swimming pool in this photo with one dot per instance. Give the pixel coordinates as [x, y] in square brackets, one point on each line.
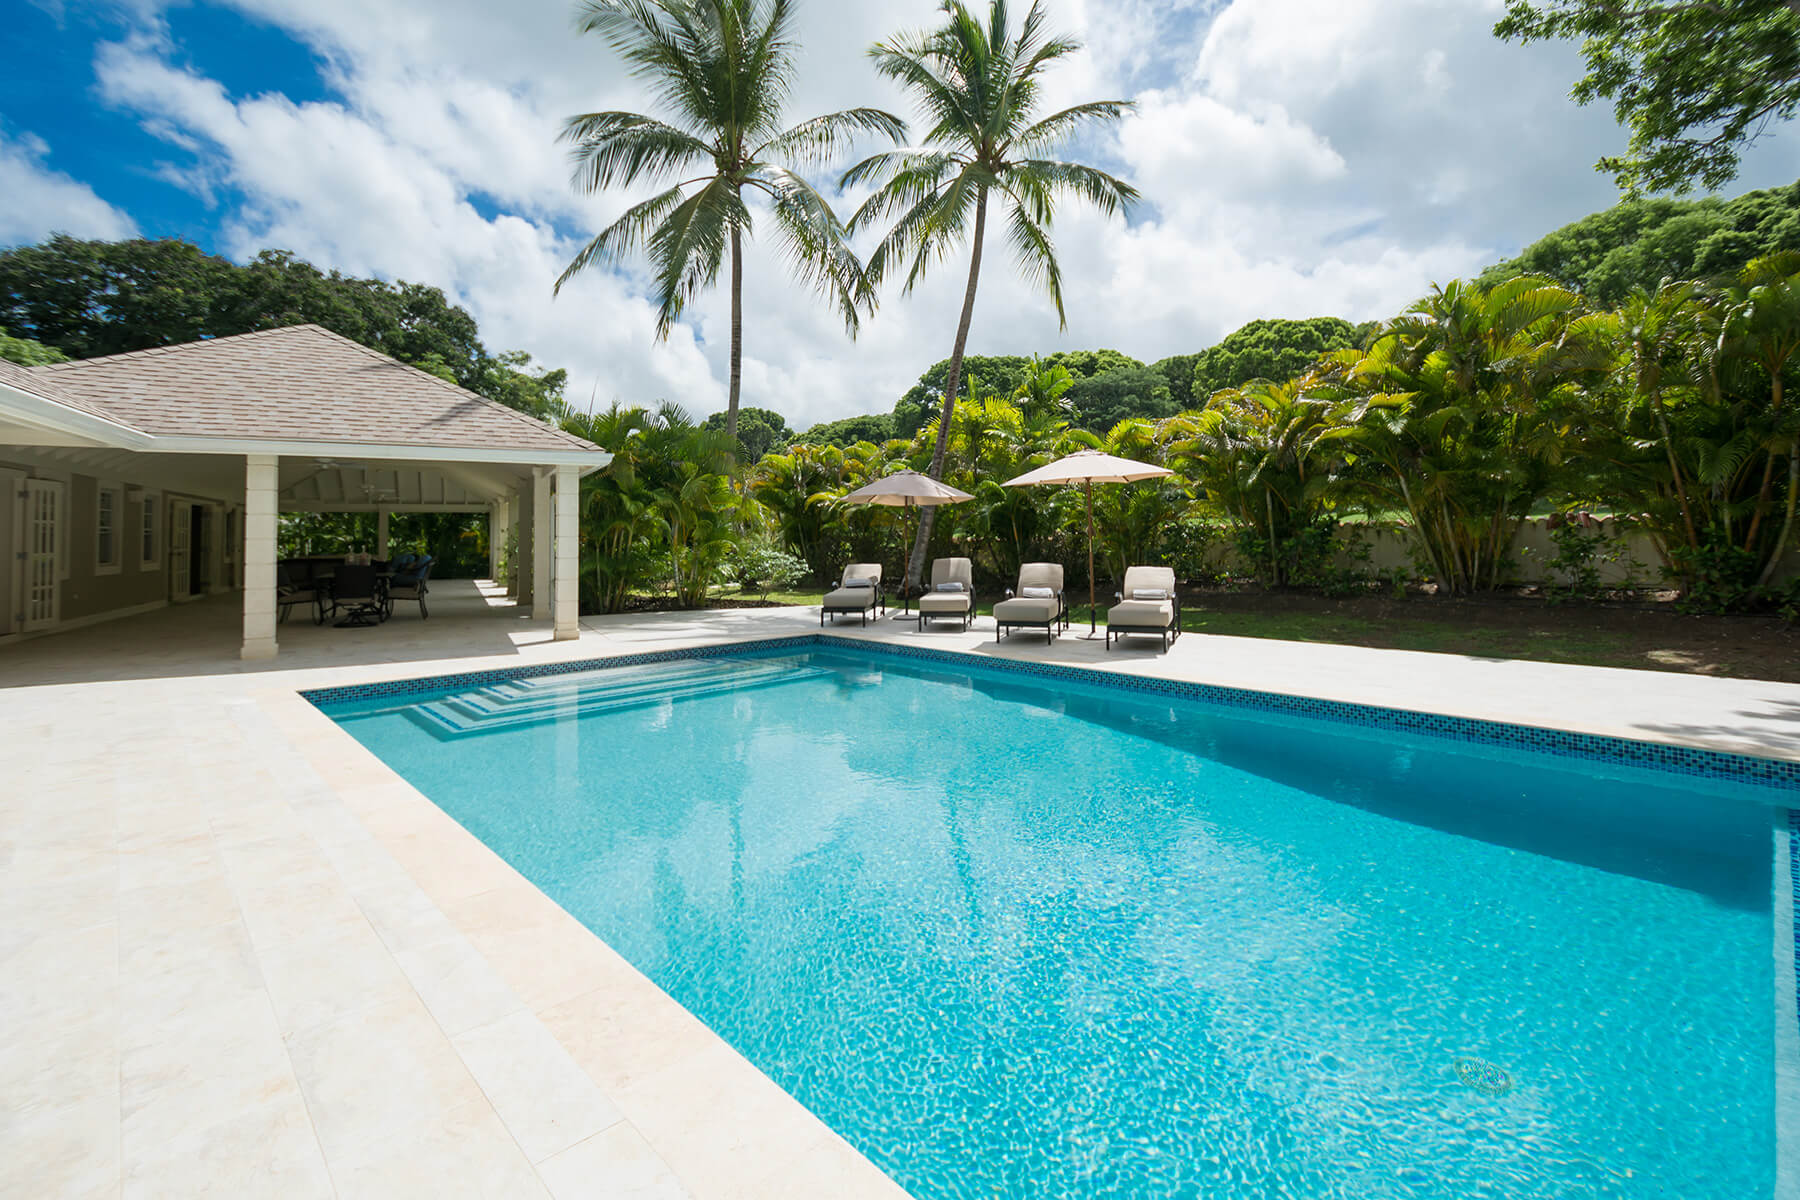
[1017, 935]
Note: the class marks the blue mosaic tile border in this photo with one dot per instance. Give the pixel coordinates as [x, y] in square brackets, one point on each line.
[1794, 880]
[1684, 760]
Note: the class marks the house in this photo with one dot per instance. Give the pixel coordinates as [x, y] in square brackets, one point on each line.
[139, 480]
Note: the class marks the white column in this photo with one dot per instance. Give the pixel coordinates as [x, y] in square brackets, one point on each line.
[496, 536]
[567, 594]
[261, 479]
[381, 534]
[540, 544]
[513, 508]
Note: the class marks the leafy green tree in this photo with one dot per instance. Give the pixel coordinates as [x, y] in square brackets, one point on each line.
[89, 298]
[1178, 371]
[1762, 327]
[723, 70]
[979, 88]
[1637, 244]
[873, 427]
[1258, 454]
[1464, 407]
[1044, 390]
[1694, 80]
[759, 431]
[1085, 364]
[28, 353]
[1102, 401]
[925, 399]
[1273, 349]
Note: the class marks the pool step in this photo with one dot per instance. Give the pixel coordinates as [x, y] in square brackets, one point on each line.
[549, 698]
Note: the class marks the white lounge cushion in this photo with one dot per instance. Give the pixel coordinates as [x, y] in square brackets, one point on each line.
[1142, 614]
[1032, 609]
[956, 602]
[851, 597]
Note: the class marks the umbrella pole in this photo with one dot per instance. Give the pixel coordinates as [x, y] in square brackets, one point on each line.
[906, 570]
[1090, 515]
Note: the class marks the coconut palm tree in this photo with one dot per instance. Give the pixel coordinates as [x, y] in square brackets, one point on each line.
[722, 70]
[978, 85]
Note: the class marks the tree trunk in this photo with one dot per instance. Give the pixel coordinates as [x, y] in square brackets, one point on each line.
[1787, 521]
[915, 565]
[1764, 493]
[1662, 424]
[737, 334]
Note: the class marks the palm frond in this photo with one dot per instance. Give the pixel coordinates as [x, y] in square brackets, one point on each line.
[623, 148]
[634, 227]
[815, 142]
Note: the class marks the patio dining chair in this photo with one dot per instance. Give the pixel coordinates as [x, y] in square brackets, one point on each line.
[357, 593]
[410, 585]
[296, 587]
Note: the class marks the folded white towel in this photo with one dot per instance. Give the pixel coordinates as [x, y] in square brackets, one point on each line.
[955, 585]
[1150, 593]
[859, 583]
[1037, 593]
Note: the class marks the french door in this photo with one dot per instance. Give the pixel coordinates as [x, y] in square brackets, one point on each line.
[43, 552]
[181, 547]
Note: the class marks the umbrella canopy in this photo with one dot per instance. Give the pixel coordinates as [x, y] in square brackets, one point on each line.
[907, 489]
[1088, 467]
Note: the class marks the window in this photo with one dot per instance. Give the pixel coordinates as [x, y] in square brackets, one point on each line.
[108, 505]
[147, 549]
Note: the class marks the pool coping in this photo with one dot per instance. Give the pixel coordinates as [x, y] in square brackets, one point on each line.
[1787, 1003]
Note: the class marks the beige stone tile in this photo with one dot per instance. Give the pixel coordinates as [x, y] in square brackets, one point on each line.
[345, 971]
[61, 975]
[831, 1170]
[405, 917]
[386, 1075]
[283, 912]
[54, 861]
[546, 1100]
[148, 913]
[166, 973]
[263, 1150]
[458, 985]
[450, 863]
[197, 1069]
[466, 1154]
[626, 1030]
[62, 1059]
[615, 1164]
[68, 1151]
[191, 859]
[718, 1122]
[545, 955]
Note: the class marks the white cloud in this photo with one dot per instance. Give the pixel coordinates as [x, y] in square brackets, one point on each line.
[40, 201]
[1298, 157]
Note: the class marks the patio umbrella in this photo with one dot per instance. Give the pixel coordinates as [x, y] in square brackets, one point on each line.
[1088, 467]
[907, 489]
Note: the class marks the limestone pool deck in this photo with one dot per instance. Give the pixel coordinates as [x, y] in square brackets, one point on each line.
[240, 957]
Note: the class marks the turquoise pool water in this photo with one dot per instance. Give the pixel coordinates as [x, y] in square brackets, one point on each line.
[1019, 937]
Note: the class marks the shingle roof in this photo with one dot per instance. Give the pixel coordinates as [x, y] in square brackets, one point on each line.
[298, 383]
[25, 379]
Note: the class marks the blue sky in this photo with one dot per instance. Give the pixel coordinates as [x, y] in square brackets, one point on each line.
[1298, 157]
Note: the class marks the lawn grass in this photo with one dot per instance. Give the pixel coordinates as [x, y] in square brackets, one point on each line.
[1645, 637]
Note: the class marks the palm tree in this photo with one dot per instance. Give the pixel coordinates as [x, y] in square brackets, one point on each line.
[1762, 325]
[722, 70]
[979, 87]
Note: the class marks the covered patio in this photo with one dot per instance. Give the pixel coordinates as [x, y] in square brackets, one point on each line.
[140, 481]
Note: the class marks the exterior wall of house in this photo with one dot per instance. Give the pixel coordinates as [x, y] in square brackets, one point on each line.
[88, 593]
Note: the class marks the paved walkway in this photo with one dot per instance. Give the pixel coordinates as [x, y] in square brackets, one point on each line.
[241, 957]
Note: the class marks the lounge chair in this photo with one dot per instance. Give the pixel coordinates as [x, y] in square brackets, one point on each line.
[1148, 603]
[1039, 604]
[858, 594]
[296, 587]
[409, 584]
[952, 592]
